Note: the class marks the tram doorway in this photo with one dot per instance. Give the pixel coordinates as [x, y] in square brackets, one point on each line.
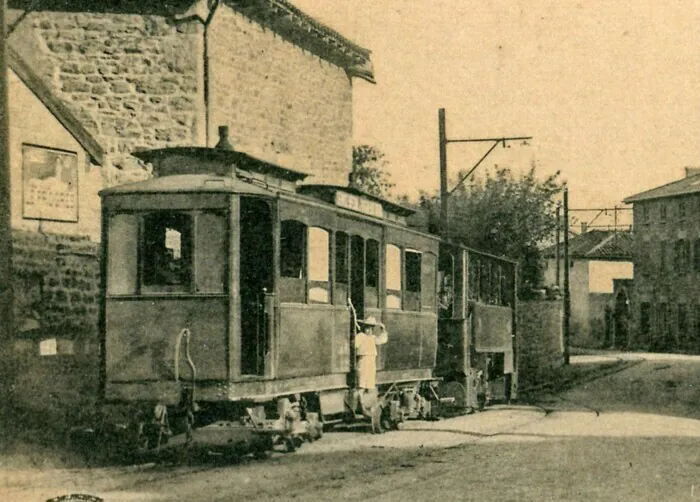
[256, 279]
[357, 275]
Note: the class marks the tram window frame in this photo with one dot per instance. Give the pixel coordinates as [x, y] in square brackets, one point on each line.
[413, 279]
[293, 273]
[496, 284]
[123, 254]
[372, 271]
[507, 285]
[393, 272]
[153, 278]
[210, 264]
[341, 277]
[474, 277]
[318, 290]
[446, 284]
[484, 281]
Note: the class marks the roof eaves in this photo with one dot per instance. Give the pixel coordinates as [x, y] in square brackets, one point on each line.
[55, 106]
[303, 30]
[661, 191]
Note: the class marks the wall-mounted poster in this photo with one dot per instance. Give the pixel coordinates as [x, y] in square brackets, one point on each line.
[50, 188]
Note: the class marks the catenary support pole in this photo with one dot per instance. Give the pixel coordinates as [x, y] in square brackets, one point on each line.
[567, 293]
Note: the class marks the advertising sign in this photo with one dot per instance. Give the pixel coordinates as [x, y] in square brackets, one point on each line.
[50, 184]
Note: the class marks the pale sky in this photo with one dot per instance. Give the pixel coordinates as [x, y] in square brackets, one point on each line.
[608, 89]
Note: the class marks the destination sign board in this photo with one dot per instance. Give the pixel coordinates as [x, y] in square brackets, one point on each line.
[359, 204]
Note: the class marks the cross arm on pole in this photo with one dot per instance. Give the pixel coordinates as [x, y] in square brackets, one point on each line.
[443, 141]
[461, 180]
[496, 142]
[482, 140]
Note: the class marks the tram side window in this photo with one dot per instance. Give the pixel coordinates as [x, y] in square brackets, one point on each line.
[342, 267]
[393, 277]
[507, 285]
[318, 265]
[428, 296]
[474, 276]
[495, 291]
[122, 252]
[372, 273]
[292, 261]
[211, 252]
[446, 285]
[413, 280]
[485, 282]
[167, 252]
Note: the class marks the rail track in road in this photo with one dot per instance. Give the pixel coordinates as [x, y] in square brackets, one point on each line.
[385, 467]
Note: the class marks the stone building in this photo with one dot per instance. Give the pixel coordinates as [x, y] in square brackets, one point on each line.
[92, 82]
[666, 310]
[151, 74]
[596, 259]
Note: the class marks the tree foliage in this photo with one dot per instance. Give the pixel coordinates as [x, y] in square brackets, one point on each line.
[369, 171]
[502, 214]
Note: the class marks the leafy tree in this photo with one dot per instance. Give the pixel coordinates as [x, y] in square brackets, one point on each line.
[368, 171]
[502, 214]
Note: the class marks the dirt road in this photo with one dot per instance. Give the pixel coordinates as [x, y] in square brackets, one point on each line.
[634, 435]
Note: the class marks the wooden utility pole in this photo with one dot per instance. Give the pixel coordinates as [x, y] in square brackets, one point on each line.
[444, 191]
[6, 296]
[558, 252]
[567, 294]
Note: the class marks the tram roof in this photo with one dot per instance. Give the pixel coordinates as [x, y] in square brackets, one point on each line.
[182, 183]
[327, 192]
[230, 158]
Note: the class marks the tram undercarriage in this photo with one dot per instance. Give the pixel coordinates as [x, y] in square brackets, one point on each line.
[235, 429]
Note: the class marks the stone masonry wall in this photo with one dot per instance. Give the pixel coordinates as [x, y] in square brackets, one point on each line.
[132, 80]
[540, 340]
[56, 287]
[282, 104]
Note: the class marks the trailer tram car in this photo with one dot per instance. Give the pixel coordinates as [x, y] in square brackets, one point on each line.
[230, 299]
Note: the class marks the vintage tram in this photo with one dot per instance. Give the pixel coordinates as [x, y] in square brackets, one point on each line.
[230, 297]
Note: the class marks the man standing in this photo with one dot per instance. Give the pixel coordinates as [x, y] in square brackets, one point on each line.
[366, 342]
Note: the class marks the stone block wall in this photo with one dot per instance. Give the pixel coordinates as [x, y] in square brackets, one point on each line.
[540, 341]
[56, 287]
[139, 80]
[56, 282]
[281, 103]
[132, 80]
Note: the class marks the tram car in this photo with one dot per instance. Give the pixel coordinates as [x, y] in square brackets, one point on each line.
[476, 357]
[231, 294]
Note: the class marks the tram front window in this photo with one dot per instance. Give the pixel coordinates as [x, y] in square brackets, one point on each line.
[167, 252]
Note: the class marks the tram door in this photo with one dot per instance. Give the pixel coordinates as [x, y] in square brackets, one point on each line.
[357, 275]
[256, 279]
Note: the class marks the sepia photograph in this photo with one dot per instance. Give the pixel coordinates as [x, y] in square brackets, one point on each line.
[273, 250]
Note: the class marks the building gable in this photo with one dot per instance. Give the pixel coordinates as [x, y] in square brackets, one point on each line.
[56, 107]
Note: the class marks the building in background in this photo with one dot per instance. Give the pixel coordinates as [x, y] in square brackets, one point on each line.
[596, 259]
[666, 310]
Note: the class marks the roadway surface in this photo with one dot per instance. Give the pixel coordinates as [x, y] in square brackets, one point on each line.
[633, 435]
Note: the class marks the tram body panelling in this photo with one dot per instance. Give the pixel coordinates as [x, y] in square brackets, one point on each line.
[254, 309]
[477, 302]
